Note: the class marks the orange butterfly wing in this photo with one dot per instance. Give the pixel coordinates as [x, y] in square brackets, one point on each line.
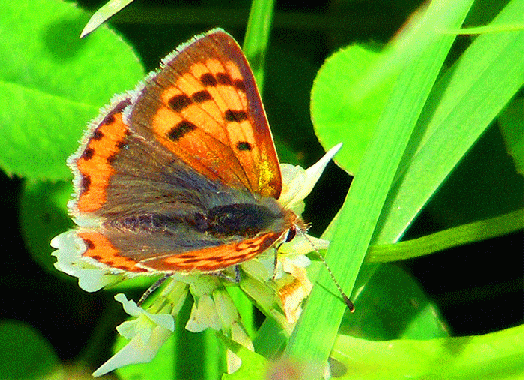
[155, 171]
[205, 107]
[92, 163]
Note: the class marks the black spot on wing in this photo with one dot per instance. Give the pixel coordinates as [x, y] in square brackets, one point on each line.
[180, 130]
[244, 146]
[235, 116]
[201, 96]
[208, 80]
[178, 102]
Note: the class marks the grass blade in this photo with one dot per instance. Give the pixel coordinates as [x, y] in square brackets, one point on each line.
[452, 237]
[257, 37]
[318, 326]
[461, 107]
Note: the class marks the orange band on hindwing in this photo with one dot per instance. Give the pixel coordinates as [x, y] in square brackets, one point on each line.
[99, 248]
[213, 258]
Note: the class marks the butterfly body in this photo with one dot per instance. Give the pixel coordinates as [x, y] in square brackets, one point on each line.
[182, 174]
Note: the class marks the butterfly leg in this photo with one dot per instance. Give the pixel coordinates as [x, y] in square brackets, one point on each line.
[290, 235]
[222, 274]
[152, 288]
[238, 275]
[275, 263]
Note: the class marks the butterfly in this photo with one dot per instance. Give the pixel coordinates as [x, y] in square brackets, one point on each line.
[181, 174]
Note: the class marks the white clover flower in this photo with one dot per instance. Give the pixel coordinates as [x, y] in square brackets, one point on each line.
[147, 333]
[277, 291]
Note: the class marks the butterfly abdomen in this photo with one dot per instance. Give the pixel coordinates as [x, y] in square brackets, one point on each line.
[232, 220]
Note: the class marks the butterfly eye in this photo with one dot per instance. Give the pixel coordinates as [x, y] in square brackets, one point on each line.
[290, 234]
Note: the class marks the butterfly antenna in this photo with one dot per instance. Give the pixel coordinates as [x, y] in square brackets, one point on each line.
[346, 299]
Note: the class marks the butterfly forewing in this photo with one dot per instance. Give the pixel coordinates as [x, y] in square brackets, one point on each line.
[204, 106]
[92, 163]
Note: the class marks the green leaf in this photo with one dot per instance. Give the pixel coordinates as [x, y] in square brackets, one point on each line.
[52, 83]
[492, 356]
[317, 328]
[392, 305]
[25, 354]
[43, 215]
[333, 110]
